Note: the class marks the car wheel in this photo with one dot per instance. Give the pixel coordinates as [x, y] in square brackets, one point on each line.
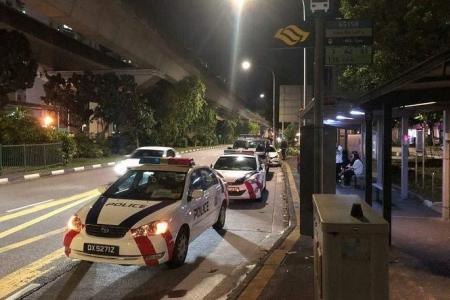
[221, 219]
[180, 249]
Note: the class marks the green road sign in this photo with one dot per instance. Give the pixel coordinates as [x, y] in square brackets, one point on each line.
[348, 42]
[348, 55]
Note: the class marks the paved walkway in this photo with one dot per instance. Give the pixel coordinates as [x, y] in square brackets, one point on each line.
[419, 258]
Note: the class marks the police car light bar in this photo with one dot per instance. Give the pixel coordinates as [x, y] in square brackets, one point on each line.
[239, 151]
[181, 161]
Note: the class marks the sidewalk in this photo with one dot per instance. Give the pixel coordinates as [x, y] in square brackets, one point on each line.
[419, 265]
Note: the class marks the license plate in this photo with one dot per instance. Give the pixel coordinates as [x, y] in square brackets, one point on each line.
[101, 249]
[233, 189]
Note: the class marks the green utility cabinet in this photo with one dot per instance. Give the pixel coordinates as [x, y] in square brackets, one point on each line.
[350, 252]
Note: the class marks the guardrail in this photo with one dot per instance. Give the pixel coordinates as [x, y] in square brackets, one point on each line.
[32, 156]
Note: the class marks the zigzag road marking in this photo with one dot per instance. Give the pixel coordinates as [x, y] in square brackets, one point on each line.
[47, 205]
[41, 218]
[24, 276]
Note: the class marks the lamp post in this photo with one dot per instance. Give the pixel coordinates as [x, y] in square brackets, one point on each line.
[246, 65]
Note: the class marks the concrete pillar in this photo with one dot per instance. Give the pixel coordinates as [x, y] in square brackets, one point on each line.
[446, 168]
[345, 139]
[368, 156]
[405, 156]
[387, 159]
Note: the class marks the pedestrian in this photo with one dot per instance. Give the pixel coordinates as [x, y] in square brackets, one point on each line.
[354, 168]
[338, 162]
[284, 146]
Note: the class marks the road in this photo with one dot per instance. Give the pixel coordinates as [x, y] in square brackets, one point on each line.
[33, 215]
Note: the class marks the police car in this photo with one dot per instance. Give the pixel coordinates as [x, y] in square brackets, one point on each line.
[244, 174]
[149, 215]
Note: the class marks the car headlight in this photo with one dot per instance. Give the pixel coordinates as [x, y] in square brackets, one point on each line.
[74, 223]
[120, 168]
[154, 228]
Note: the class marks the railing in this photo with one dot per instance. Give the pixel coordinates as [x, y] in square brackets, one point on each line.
[28, 157]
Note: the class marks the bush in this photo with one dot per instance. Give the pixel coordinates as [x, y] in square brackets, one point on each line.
[69, 147]
[86, 148]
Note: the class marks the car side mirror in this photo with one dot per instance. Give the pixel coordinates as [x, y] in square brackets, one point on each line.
[197, 194]
[211, 166]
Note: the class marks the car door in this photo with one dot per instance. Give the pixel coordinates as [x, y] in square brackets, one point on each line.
[197, 207]
[215, 192]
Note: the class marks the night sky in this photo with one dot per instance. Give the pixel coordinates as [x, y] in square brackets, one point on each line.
[206, 29]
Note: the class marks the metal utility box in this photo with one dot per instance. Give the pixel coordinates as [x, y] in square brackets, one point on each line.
[350, 253]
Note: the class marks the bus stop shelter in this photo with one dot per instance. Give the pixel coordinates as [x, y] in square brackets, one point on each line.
[424, 87]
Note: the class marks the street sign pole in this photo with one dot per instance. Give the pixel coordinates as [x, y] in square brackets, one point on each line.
[318, 101]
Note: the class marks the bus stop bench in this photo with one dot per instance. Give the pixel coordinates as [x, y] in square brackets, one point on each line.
[378, 188]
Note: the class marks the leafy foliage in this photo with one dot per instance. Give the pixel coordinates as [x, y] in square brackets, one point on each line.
[176, 107]
[290, 133]
[203, 130]
[17, 65]
[406, 33]
[20, 128]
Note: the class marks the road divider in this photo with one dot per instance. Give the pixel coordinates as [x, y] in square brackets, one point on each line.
[26, 275]
[31, 240]
[43, 206]
[41, 218]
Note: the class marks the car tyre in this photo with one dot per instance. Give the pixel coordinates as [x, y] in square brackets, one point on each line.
[220, 223]
[180, 249]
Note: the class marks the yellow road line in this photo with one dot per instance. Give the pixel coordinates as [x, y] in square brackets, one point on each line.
[257, 285]
[20, 278]
[41, 218]
[30, 240]
[47, 205]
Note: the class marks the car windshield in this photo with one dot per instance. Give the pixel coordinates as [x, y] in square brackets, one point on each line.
[236, 163]
[148, 185]
[240, 144]
[272, 149]
[146, 152]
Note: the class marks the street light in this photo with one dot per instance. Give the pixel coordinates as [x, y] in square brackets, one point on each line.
[246, 65]
[262, 95]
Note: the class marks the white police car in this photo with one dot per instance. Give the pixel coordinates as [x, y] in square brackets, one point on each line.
[149, 215]
[244, 174]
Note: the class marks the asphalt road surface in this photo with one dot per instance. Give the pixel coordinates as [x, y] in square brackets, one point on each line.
[33, 216]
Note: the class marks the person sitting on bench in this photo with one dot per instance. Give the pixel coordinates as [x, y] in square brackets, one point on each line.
[354, 168]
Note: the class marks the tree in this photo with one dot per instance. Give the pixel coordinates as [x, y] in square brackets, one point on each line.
[253, 127]
[204, 127]
[290, 133]
[17, 65]
[72, 95]
[227, 130]
[176, 108]
[120, 103]
[406, 33]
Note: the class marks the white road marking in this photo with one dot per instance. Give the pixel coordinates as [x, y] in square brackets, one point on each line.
[23, 291]
[57, 172]
[3, 180]
[29, 205]
[77, 169]
[96, 166]
[31, 176]
[111, 163]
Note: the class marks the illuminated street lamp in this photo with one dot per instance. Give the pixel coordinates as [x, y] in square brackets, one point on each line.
[246, 65]
[262, 96]
[47, 121]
